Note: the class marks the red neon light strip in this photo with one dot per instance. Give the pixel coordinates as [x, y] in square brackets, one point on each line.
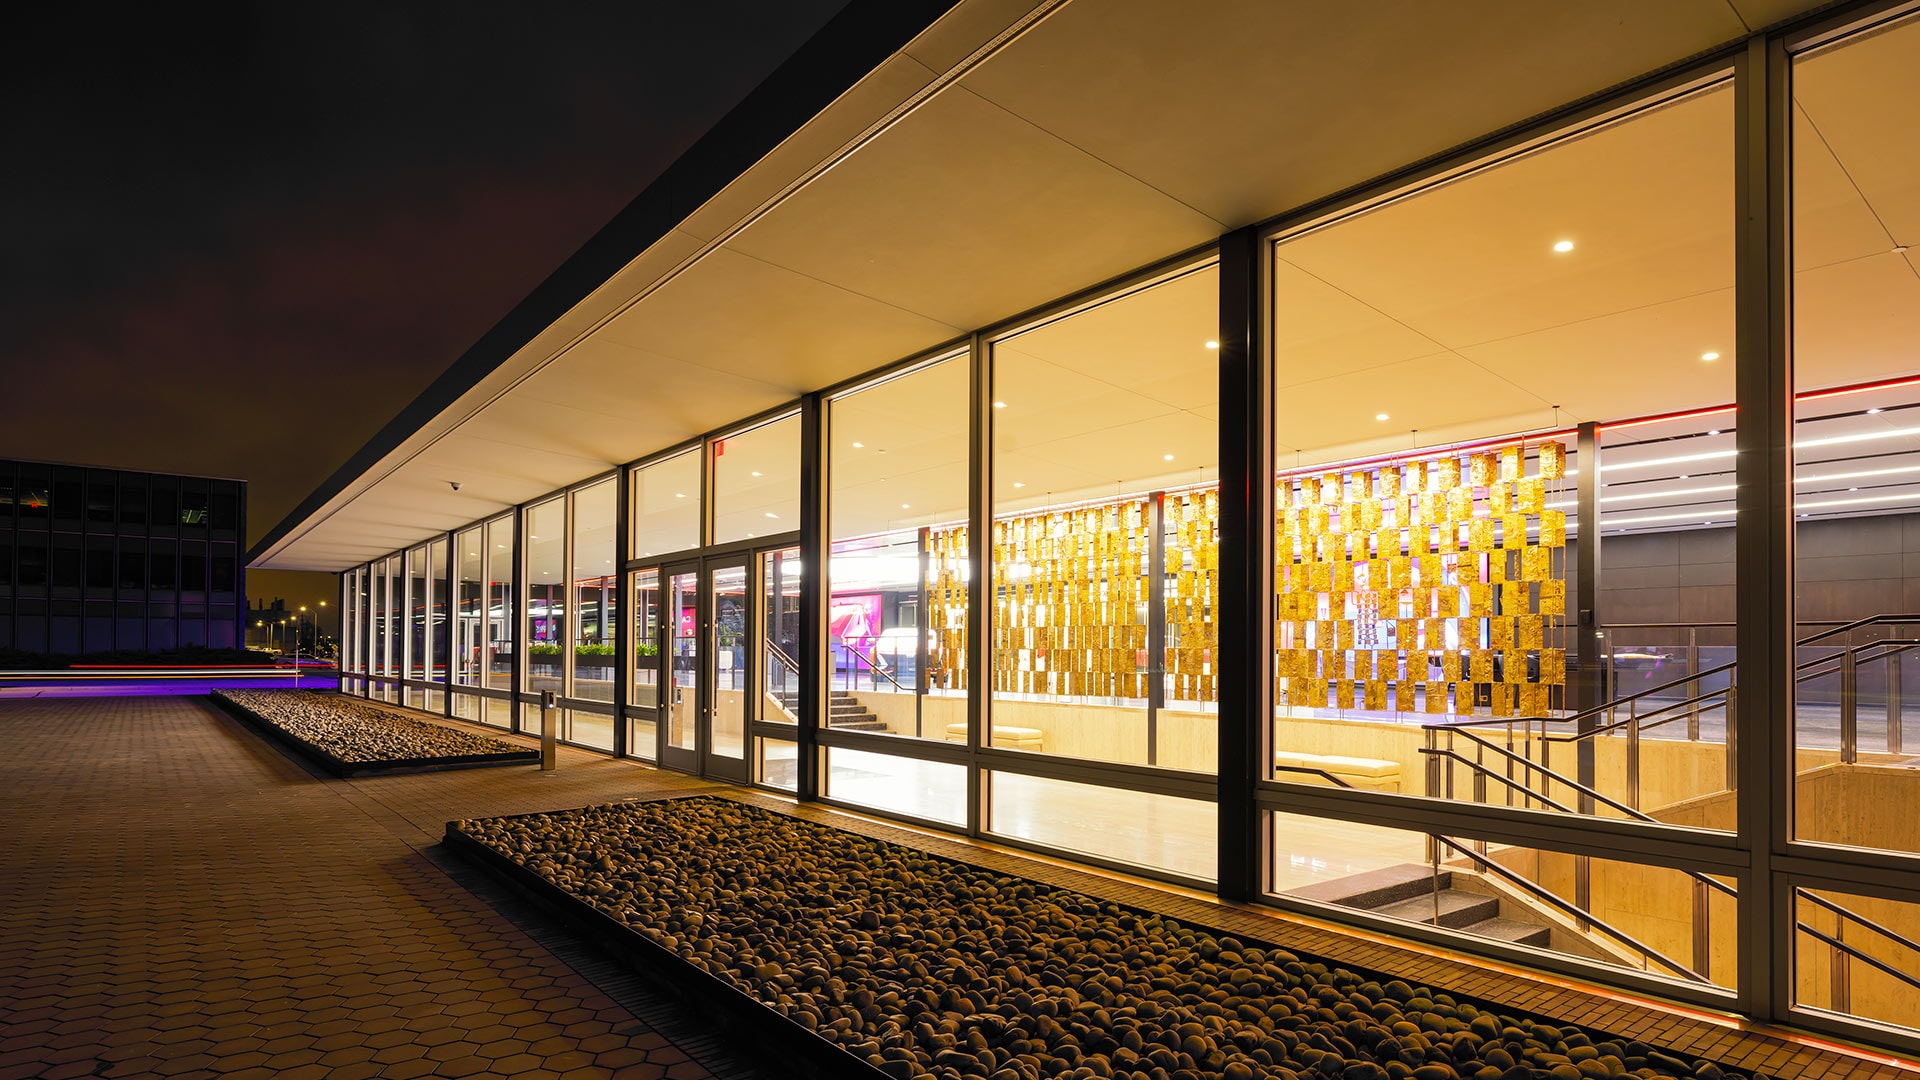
[1430, 453]
[1811, 395]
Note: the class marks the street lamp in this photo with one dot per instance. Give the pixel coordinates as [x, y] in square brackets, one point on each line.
[296, 643]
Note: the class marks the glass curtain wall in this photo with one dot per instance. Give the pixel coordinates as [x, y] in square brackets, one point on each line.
[470, 622]
[665, 501]
[415, 605]
[643, 694]
[1856, 458]
[1439, 360]
[595, 601]
[546, 596]
[756, 481]
[1105, 568]
[498, 546]
[437, 640]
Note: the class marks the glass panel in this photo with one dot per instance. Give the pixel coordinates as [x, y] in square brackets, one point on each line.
[932, 790]
[1105, 475]
[1666, 922]
[437, 611]
[727, 737]
[596, 593]
[666, 505]
[1856, 440]
[378, 611]
[756, 482]
[897, 618]
[779, 762]
[396, 615]
[1135, 827]
[499, 713]
[645, 691]
[546, 594]
[642, 731]
[469, 707]
[683, 604]
[470, 616]
[1858, 956]
[1433, 357]
[498, 546]
[416, 612]
[590, 729]
[780, 636]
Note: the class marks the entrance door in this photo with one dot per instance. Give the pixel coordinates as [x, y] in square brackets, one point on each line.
[681, 680]
[729, 640]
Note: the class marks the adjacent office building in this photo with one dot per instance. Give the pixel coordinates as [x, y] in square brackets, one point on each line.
[106, 560]
[1458, 477]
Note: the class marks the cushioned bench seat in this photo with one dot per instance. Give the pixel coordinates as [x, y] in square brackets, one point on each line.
[1370, 774]
[1005, 737]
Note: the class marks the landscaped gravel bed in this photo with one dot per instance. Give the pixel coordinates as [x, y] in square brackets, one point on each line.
[926, 967]
[353, 732]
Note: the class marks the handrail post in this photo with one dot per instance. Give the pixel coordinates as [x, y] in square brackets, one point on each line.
[1702, 928]
[1633, 757]
[1849, 707]
[1693, 686]
[1895, 706]
[1840, 976]
[1433, 759]
[1733, 743]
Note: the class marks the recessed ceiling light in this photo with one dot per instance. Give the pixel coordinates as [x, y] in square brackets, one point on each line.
[1715, 431]
[904, 506]
[1018, 484]
[679, 494]
[1683, 476]
[859, 446]
[756, 473]
[1873, 412]
[1381, 416]
[1709, 356]
[999, 404]
[1166, 457]
[1213, 344]
[1853, 489]
[749, 536]
[771, 514]
[1563, 246]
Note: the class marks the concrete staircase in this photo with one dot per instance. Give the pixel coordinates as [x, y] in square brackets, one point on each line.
[1413, 893]
[844, 711]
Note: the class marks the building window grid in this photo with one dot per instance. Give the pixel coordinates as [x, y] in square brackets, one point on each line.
[1886, 874]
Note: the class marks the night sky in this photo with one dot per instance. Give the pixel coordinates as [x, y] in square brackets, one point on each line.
[238, 240]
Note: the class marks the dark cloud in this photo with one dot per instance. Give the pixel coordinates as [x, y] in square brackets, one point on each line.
[238, 240]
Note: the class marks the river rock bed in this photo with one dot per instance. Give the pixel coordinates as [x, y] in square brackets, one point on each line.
[922, 966]
[356, 732]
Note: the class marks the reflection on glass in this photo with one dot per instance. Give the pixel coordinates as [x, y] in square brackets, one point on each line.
[897, 613]
[595, 593]
[666, 506]
[727, 735]
[645, 693]
[1105, 568]
[756, 481]
[778, 764]
[590, 729]
[470, 617]
[1857, 956]
[1136, 827]
[416, 605]
[546, 595]
[923, 789]
[436, 667]
[1856, 457]
[497, 664]
[780, 635]
[1672, 923]
[683, 606]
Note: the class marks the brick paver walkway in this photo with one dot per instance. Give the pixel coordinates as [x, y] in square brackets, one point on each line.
[178, 898]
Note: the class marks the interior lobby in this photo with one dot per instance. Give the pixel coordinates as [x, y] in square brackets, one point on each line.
[1461, 484]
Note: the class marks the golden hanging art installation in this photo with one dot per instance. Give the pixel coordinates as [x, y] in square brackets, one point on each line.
[1436, 585]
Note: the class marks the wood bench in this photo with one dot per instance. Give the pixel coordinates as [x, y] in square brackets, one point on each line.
[1005, 737]
[1367, 774]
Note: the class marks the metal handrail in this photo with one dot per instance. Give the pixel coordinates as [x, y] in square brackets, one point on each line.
[1861, 920]
[1803, 671]
[793, 668]
[873, 667]
[1647, 952]
[1865, 958]
[1637, 815]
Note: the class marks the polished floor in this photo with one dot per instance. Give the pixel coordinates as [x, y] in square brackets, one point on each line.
[180, 899]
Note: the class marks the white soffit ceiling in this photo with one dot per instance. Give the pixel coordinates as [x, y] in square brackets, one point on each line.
[1110, 134]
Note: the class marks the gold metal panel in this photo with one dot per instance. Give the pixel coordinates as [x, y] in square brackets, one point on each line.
[1436, 697]
[1480, 665]
[1500, 633]
[1535, 564]
[1553, 460]
[1480, 470]
[1530, 632]
[1553, 597]
[1553, 528]
[1531, 495]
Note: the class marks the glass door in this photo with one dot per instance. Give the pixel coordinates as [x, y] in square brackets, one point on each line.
[650, 650]
[680, 674]
[729, 637]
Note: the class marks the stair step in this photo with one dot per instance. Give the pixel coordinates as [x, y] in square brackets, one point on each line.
[869, 724]
[1449, 907]
[1511, 930]
[1374, 887]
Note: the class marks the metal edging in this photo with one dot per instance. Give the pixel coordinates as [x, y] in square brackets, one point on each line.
[815, 531]
[1763, 567]
[623, 647]
[979, 585]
